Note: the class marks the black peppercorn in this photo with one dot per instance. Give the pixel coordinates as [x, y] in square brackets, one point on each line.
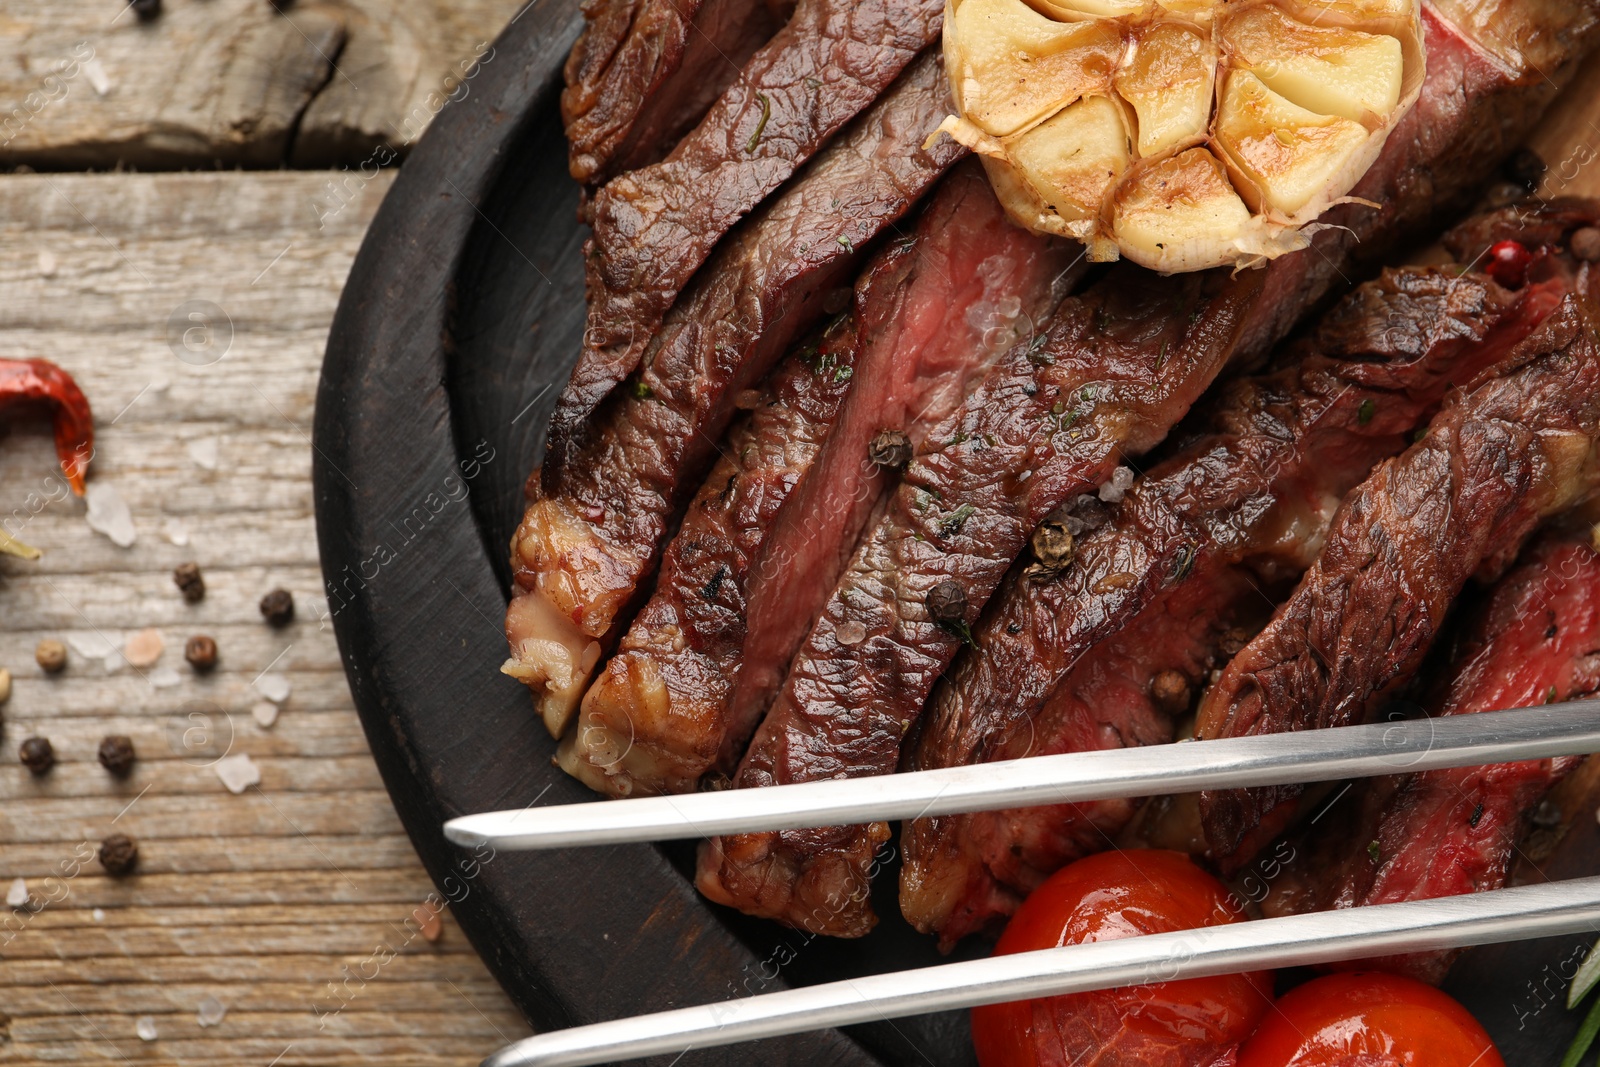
[190, 582]
[277, 607]
[947, 602]
[116, 754]
[38, 755]
[201, 652]
[146, 9]
[119, 854]
[1525, 168]
[890, 450]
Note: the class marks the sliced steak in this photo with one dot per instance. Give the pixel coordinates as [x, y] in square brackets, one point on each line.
[776, 521]
[594, 524]
[845, 708]
[1494, 463]
[653, 228]
[1443, 833]
[1118, 366]
[1098, 646]
[643, 72]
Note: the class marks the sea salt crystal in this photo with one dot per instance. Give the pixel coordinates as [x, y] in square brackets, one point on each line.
[145, 1027]
[238, 773]
[47, 264]
[109, 514]
[211, 1011]
[98, 915]
[851, 632]
[17, 895]
[265, 713]
[164, 678]
[92, 644]
[204, 452]
[144, 648]
[96, 73]
[1121, 480]
[275, 687]
[175, 531]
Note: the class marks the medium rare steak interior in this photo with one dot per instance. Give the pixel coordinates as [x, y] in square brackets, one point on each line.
[1102, 639]
[775, 522]
[1413, 837]
[595, 520]
[1495, 463]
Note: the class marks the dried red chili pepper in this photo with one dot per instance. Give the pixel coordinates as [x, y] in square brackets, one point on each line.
[40, 381]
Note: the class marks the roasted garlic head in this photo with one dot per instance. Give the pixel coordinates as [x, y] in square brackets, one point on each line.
[1182, 134]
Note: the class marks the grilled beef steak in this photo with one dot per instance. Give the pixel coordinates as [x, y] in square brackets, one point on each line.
[1497, 461]
[1103, 648]
[653, 228]
[594, 524]
[777, 518]
[644, 71]
[1118, 366]
[1443, 833]
[970, 502]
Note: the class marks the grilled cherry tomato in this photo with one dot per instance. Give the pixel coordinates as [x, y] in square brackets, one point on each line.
[1189, 1023]
[1508, 263]
[1369, 1019]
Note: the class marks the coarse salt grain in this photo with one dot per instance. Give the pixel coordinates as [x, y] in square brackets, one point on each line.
[851, 632]
[275, 687]
[176, 532]
[204, 452]
[98, 915]
[164, 678]
[47, 264]
[211, 1011]
[108, 514]
[145, 1027]
[427, 920]
[17, 895]
[96, 73]
[265, 713]
[95, 644]
[144, 648]
[1114, 490]
[238, 773]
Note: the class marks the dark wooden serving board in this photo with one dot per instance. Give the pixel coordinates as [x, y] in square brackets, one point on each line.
[459, 323]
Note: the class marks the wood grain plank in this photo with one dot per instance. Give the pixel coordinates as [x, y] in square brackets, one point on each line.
[261, 899]
[85, 83]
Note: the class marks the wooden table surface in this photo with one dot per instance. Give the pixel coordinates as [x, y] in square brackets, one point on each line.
[273, 901]
[291, 903]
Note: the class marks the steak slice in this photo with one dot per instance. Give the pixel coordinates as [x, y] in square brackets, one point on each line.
[1101, 649]
[653, 228]
[1442, 833]
[777, 519]
[1118, 366]
[643, 72]
[1495, 462]
[593, 525]
[843, 714]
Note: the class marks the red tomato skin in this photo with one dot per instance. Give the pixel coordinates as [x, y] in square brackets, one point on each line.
[1369, 1019]
[1195, 1022]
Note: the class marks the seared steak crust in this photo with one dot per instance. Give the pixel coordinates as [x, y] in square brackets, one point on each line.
[594, 522]
[845, 709]
[1494, 463]
[654, 227]
[1118, 367]
[1186, 558]
[762, 544]
[1443, 833]
[644, 71]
